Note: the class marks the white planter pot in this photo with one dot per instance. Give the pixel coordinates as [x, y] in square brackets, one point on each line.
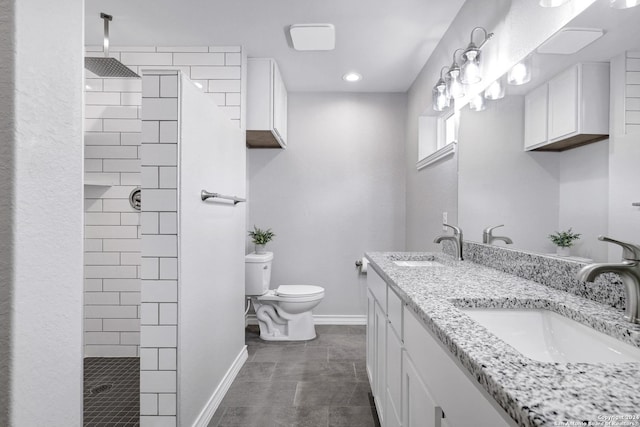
[260, 249]
[563, 251]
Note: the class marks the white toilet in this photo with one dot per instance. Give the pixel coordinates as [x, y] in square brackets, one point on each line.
[284, 314]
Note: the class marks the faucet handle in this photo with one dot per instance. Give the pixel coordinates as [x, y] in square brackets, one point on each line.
[455, 229]
[488, 230]
[630, 251]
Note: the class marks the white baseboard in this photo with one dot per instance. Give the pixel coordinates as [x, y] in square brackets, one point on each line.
[323, 319]
[216, 398]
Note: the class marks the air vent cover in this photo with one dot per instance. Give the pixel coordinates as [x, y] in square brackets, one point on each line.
[570, 40]
[313, 36]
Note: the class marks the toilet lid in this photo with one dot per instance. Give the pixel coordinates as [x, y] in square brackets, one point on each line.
[298, 290]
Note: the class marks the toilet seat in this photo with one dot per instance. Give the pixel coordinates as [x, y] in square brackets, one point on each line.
[298, 291]
[293, 293]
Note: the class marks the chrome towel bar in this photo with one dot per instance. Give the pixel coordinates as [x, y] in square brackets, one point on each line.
[204, 195]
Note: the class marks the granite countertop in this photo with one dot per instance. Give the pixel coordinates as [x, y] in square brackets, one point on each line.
[533, 393]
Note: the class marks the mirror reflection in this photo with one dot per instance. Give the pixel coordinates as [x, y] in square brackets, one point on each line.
[548, 147]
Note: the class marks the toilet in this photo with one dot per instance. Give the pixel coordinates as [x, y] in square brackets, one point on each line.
[284, 314]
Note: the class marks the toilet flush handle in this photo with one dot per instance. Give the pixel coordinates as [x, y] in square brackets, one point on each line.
[266, 267]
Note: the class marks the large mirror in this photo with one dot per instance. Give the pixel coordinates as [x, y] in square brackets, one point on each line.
[586, 184]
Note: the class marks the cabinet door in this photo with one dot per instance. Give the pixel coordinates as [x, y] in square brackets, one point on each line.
[380, 386]
[279, 105]
[535, 117]
[563, 104]
[371, 338]
[418, 407]
[393, 410]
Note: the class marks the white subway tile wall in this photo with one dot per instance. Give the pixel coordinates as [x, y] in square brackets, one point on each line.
[114, 135]
[159, 293]
[632, 100]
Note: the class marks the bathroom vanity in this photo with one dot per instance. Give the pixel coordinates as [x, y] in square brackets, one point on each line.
[431, 364]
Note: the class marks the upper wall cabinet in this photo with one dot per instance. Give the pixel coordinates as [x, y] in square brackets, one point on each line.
[266, 105]
[571, 110]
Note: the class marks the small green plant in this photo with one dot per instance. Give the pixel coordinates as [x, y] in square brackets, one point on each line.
[564, 239]
[261, 237]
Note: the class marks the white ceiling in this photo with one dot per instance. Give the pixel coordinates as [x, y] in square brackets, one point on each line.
[388, 42]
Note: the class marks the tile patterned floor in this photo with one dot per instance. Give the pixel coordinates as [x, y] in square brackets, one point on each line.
[111, 392]
[319, 383]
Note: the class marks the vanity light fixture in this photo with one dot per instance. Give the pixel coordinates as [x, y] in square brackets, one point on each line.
[439, 95]
[352, 77]
[454, 85]
[623, 4]
[553, 3]
[471, 71]
[520, 73]
[477, 103]
[495, 90]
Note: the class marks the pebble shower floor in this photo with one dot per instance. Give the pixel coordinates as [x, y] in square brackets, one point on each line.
[111, 392]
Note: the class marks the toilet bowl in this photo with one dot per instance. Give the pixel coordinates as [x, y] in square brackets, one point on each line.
[284, 314]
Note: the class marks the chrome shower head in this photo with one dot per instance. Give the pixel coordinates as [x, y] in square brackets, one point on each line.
[108, 67]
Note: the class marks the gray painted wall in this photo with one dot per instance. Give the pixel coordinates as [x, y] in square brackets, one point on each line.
[337, 191]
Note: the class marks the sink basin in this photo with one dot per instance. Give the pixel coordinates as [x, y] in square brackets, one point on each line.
[546, 336]
[418, 264]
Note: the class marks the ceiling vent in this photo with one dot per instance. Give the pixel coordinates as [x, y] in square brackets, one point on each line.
[570, 40]
[313, 36]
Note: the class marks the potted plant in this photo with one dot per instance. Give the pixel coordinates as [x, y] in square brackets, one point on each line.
[564, 240]
[260, 238]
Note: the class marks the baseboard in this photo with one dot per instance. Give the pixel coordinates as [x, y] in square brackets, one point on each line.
[322, 319]
[216, 398]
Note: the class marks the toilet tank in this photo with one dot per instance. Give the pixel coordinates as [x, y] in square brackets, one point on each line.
[257, 269]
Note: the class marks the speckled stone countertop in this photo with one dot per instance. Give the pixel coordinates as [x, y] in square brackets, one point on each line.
[533, 393]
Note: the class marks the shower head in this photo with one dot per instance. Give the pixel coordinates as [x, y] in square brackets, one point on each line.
[108, 67]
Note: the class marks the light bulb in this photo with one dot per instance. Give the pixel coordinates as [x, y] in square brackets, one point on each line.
[553, 3]
[623, 4]
[495, 90]
[352, 77]
[471, 72]
[477, 103]
[520, 73]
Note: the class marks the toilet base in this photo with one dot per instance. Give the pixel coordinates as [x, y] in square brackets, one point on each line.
[276, 325]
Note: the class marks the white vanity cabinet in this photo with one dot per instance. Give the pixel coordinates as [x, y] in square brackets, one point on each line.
[266, 105]
[414, 379]
[570, 110]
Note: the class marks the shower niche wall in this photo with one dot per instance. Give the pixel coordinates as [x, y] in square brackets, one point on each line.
[114, 267]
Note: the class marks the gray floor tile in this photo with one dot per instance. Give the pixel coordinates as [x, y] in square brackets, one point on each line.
[248, 416]
[290, 354]
[301, 417]
[341, 329]
[252, 393]
[315, 371]
[356, 416]
[256, 371]
[298, 384]
[322, 393]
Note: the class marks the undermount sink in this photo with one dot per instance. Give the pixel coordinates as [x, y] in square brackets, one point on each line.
[546, 336]
[418, 264]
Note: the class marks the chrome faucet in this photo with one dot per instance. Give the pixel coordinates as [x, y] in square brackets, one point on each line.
[489, 238]
[628, 270]
[456, 239]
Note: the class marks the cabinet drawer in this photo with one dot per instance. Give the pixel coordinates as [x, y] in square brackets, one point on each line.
[463, 400]
[378, 288]
[394, 311]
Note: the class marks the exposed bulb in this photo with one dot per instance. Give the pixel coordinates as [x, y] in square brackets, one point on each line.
[623, 4]
[553, 3]
[477, 103]
[495, 90]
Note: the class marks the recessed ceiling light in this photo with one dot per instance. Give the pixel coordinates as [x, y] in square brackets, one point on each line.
[352, 77]
[313, 36]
